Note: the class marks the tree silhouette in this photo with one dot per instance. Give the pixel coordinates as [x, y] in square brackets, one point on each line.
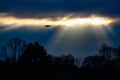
[3, 52]
[33, 53]
[15, 46]
[106, 51]
[109, 52]
[117, 53]
[95, 62]
[40, 65]
[104, 66]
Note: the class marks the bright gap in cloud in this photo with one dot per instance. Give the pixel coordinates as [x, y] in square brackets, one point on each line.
[60, 21]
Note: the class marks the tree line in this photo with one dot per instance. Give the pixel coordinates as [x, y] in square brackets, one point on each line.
[31, 61]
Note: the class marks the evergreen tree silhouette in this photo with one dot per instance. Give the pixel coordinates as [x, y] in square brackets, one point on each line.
[33, 53]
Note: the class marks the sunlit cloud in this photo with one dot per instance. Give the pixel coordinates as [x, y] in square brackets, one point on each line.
[66, 21]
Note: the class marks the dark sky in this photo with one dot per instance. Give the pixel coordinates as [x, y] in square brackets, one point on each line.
[79, 42]
[27, 8]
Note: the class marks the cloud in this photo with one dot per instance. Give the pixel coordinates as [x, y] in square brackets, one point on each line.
[39, 8]
[66, 21]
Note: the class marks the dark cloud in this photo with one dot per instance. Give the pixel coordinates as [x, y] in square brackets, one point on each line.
[37, 8]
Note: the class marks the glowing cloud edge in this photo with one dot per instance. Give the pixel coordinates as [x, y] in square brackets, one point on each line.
[66, 21]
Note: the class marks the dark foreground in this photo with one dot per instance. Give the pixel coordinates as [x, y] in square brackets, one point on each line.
[35, 64]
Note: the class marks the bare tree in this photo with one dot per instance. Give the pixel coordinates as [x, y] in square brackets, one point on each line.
[17, 46]
[3, 52]
[106, 51]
